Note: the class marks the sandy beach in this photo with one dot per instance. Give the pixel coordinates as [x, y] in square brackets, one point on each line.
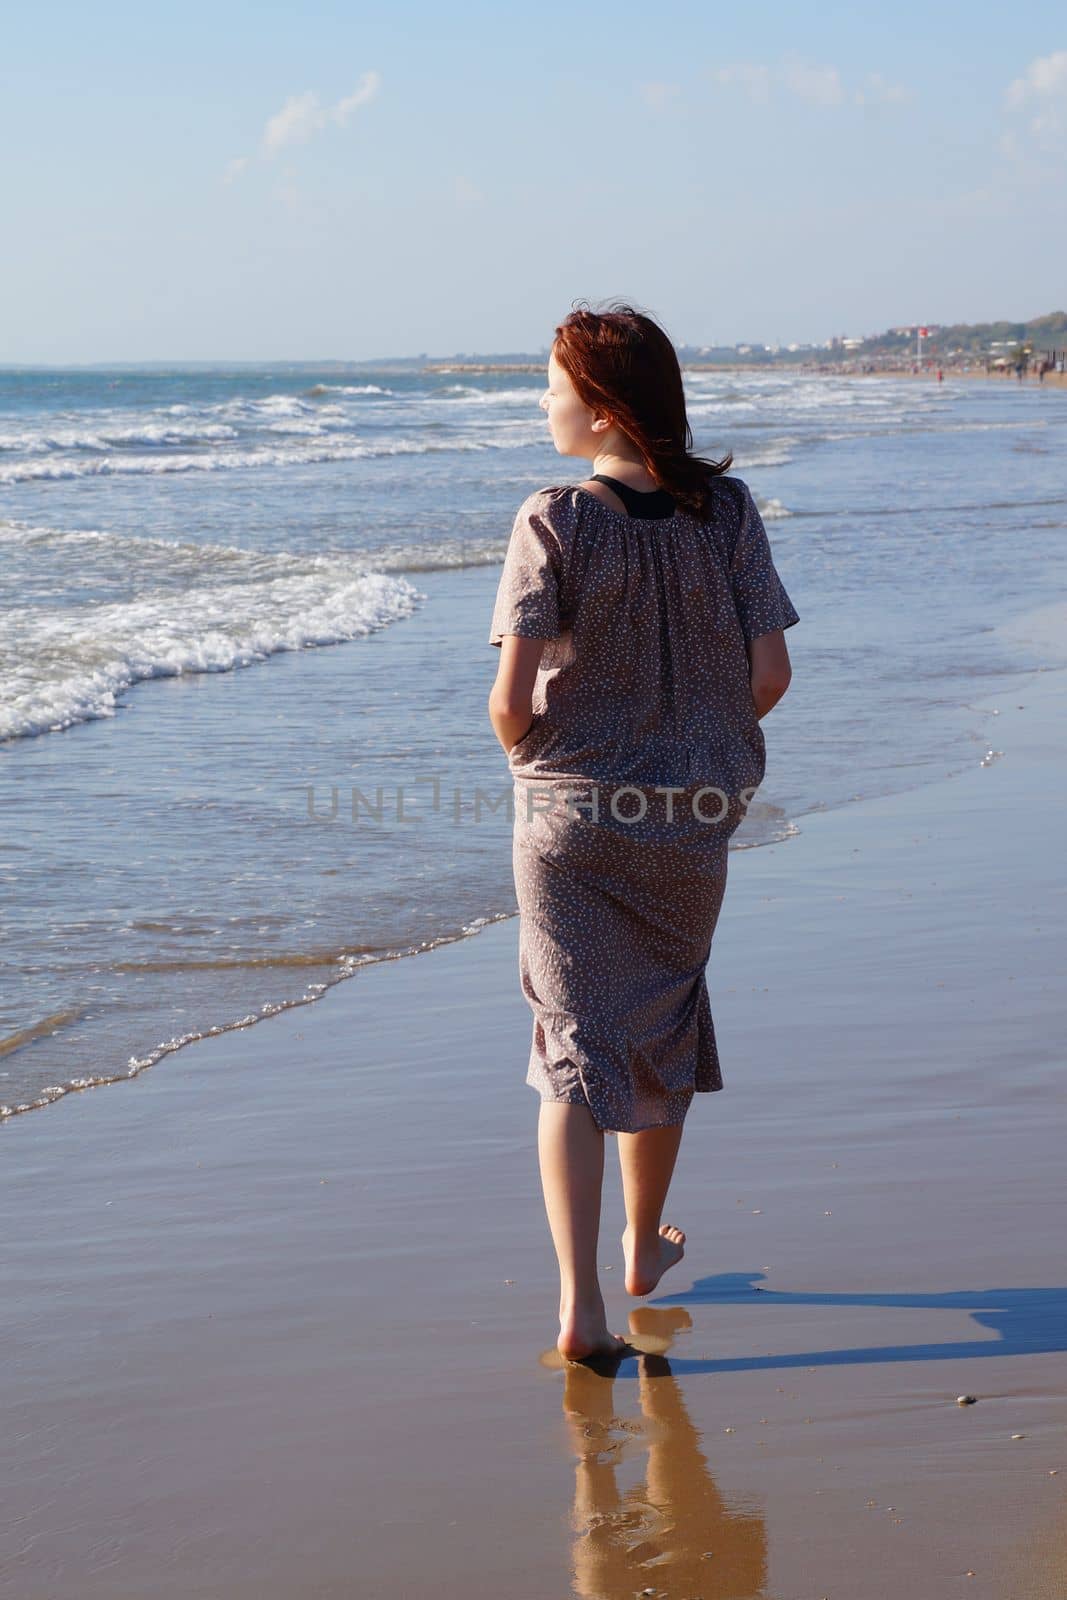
[283, 1334]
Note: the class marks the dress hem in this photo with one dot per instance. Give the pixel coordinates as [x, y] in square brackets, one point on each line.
[581, 1100]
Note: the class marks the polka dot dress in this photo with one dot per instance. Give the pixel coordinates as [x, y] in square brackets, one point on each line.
[644, 752]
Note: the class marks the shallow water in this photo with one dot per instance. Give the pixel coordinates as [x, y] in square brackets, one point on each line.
[236, 604]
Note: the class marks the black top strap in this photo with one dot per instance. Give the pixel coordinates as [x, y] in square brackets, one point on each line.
[639, 502]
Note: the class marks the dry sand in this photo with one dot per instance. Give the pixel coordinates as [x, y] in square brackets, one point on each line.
[289, 1333]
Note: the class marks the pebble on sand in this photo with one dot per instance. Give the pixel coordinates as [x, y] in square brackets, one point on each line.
[966, 1399]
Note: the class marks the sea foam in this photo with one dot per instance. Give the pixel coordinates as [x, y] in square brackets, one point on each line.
[204, 609]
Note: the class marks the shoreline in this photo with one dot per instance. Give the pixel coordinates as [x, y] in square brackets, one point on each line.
[1053, 380]
[270, 1370]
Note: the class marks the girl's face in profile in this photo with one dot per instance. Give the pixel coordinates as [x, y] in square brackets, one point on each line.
[574, 428]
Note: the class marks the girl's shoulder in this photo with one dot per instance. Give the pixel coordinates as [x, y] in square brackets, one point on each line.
[553, 495]
[554, 506]
[733, 491]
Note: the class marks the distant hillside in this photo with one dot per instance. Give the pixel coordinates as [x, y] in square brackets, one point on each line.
[972, 338]
[1040, 332]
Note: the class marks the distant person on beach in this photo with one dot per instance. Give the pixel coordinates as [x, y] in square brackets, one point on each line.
[640, 621]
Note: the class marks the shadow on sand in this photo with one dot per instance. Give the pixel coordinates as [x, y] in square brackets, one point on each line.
[1026, 1321]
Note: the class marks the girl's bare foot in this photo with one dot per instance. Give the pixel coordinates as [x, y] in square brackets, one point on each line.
[646, 1266]
[583, 1332]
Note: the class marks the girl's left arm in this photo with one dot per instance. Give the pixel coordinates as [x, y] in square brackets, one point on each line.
[511, 697]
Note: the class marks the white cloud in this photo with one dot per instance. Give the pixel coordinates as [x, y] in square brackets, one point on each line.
[299, 118]
[878, 92]
[821, 86]
[365, 90]
[1040, 96]
[755, 80]
[304, 115]
[1045, 76]
[817, 85]
[659, 95]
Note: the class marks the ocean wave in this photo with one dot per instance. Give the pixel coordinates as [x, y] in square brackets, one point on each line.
[318, 389]
[284, 405]
[243, 431]
[772, 510]
[67, 665]
[173, 426]
[775, 453]
[459, 392]
[107, 437]
[176, 562]
[446, 555]
[715, 407]
[254, 458]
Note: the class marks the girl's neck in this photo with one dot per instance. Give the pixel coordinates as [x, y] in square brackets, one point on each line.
[627, 470]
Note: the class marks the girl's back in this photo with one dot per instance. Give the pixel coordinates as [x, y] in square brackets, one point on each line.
[645, 678]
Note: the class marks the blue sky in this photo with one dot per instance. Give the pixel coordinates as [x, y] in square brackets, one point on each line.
[261, 181]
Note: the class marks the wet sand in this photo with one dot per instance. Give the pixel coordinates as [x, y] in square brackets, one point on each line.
[291, 1335]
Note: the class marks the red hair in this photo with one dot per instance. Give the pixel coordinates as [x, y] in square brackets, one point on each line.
[623, 364]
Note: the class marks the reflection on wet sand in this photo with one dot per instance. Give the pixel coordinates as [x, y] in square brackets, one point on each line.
[672, 1533]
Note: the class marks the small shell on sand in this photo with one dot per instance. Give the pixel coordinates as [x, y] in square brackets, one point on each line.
[966, 1399]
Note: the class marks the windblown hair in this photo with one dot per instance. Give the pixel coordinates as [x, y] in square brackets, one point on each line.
[623, 364]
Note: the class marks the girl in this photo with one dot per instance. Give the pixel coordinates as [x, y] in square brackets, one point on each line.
[640, 625]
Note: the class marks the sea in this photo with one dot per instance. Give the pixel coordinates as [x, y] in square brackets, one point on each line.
[244, 661]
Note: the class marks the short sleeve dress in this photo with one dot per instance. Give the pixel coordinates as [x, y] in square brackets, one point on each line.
[643, 755]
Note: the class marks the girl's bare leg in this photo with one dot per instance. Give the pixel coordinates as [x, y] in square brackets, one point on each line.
[570, 1147]
[647, 1162]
